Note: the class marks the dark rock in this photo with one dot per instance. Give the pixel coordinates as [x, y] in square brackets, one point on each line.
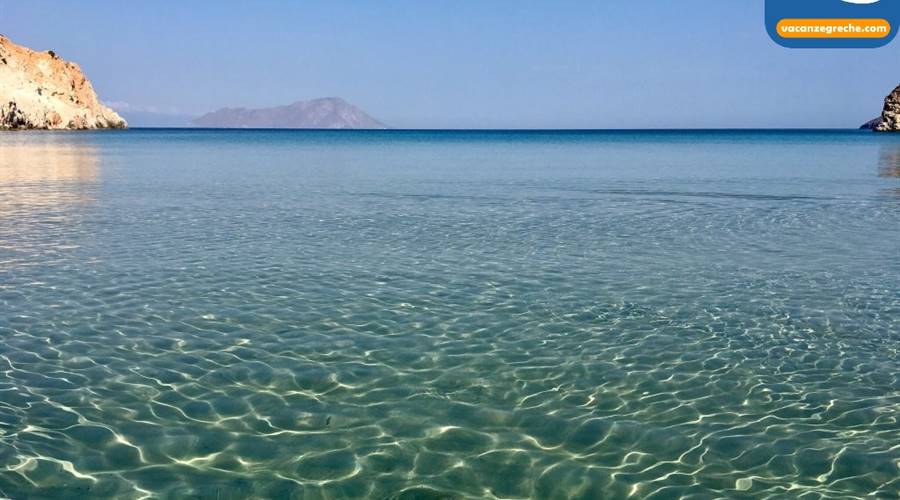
[871, 124]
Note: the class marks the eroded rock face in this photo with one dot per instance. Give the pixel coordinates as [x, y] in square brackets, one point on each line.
[38, 90]
[890, 117]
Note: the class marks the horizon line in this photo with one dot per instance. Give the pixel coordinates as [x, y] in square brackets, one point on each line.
[651, 129]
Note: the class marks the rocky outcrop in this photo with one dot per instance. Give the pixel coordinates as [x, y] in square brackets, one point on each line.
[890, 117]
[329, 112]
[39, 90]
[871, 124]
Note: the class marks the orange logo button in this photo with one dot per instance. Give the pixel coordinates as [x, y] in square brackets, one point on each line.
[834, 28]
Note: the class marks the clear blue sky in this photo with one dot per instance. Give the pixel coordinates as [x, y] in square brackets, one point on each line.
[464, 63]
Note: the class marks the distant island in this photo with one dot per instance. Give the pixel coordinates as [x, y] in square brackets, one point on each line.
[326, 113]
[39, 90]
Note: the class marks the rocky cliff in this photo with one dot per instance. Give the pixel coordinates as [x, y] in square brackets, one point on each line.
[39, 90]
[329, 112]
[890, 117]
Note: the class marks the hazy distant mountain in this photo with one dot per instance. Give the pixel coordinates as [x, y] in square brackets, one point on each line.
[150, 119]
[329, 112]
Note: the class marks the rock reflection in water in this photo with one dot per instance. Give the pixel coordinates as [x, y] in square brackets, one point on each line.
[889, 161]
[42, 172]
[46, 181]
[889, 166]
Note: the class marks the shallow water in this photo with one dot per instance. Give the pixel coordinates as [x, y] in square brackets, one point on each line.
[449, 314]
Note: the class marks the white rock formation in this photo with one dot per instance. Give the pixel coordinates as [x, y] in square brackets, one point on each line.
[890, 117]
[38, 90]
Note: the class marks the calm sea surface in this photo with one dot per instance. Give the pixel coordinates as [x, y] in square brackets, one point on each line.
[232, 314]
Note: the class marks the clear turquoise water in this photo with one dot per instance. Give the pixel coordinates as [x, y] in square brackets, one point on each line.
[461, 315]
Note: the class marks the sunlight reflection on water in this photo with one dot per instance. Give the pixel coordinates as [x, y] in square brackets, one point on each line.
[449, 315]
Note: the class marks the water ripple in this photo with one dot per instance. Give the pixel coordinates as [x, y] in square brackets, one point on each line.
[396, 344]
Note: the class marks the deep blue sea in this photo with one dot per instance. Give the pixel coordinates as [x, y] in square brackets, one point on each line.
[424, 315]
